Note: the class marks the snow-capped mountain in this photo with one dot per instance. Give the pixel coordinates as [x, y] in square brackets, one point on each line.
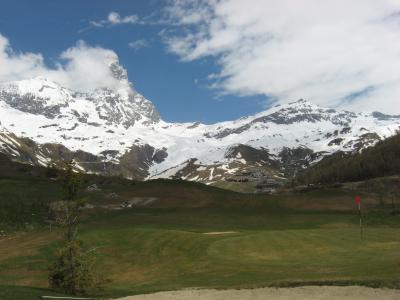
[119, 132]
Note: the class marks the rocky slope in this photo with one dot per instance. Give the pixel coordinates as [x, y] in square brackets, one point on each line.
[119, 132]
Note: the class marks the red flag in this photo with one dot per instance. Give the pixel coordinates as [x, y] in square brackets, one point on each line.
[358, 199]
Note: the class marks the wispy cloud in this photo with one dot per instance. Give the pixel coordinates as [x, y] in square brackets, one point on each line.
[115, 18]
[156, 18]
[139, 44]
[330, 52]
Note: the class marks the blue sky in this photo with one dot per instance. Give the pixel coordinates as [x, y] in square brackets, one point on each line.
[179, 90]
[211, 61]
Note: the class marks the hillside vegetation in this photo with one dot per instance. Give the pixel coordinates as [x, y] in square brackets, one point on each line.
[379, 161]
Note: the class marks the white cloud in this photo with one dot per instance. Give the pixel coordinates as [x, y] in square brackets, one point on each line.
[14, 64]
[139, 44]
[115, 18]
[81, 67]
[334, 53]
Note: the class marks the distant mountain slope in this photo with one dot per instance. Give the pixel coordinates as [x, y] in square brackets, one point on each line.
[119, 132]
[383, 159]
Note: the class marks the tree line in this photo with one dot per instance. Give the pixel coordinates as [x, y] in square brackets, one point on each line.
[383, 159]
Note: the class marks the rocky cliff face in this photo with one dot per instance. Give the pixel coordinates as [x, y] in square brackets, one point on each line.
[119, 132]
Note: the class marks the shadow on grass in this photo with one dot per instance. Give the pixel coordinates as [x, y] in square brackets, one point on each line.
[9, 292]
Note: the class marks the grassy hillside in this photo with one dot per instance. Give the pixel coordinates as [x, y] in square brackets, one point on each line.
[24, 200]
[26, 192]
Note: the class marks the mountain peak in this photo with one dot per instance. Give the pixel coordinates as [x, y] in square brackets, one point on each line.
[303, 103]
[41, 96]
[118, 72]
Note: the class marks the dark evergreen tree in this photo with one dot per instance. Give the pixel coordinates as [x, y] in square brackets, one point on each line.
[381, 160]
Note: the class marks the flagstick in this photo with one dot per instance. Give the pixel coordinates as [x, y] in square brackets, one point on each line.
[361, 226]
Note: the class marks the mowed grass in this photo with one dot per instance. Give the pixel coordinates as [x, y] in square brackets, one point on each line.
[147, 250]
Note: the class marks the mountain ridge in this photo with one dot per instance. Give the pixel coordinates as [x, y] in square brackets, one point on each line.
[119, 132]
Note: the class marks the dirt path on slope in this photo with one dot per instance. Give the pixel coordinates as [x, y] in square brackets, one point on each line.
[298, 293]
